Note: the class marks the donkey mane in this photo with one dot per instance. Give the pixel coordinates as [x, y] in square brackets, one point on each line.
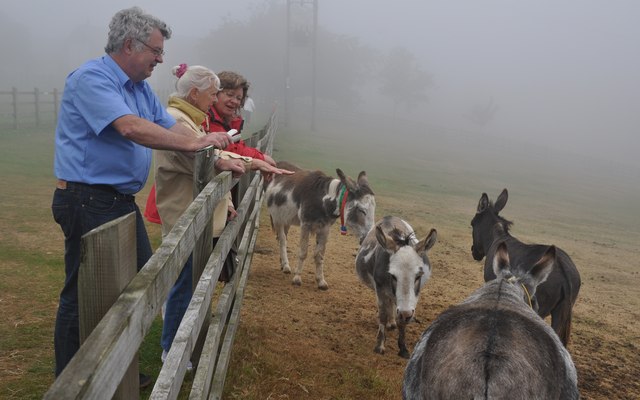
[317, 180]
[401, 238]
[506, 224]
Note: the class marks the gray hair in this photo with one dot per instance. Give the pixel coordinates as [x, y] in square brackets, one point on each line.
[196, 76]
[133, 23]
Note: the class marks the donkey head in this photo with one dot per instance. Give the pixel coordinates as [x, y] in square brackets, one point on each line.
[360, 208]
[526, 281]
[409, 267]
[484, 221]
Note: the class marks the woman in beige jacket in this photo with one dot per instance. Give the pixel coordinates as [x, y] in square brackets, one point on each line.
[196, 90]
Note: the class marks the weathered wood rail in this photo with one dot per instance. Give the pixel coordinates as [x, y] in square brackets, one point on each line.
[99, 369]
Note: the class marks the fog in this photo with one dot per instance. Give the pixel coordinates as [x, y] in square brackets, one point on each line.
[561, 74]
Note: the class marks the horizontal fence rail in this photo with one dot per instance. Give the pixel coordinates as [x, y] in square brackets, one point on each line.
[98, 368]
[27, 108]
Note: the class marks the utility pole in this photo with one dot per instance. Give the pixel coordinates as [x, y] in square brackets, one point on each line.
[287, 62]
[287, 68]
[314, 45]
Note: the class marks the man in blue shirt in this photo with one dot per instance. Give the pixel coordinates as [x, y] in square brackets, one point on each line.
[108, 122]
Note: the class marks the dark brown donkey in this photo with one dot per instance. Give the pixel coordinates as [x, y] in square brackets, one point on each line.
[557, 295]
[492, 345]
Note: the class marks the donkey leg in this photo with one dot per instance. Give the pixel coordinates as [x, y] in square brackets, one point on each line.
[282, 241]
[318, 256]
[380, 339]
[386, 319]
[403, 352]
[302, 253]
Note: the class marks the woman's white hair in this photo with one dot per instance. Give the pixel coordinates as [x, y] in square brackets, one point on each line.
[196, 76]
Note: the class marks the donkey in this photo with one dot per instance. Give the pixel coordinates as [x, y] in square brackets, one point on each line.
[493, 345]
[395, 265]
[557, 295]
[314, 201]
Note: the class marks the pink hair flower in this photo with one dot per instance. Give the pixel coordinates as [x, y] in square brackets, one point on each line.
[182, 68]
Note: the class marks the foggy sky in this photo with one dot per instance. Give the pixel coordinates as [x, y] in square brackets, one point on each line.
[564, 73]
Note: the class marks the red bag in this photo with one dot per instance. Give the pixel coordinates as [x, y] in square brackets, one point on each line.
[150, 210]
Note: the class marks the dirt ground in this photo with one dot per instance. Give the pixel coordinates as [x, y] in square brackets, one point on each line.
[303, 343]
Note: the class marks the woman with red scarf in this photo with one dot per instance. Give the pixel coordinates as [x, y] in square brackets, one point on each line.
[224, 114]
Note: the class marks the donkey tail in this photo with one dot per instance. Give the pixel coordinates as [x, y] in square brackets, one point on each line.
[569, 295]
[563, 318]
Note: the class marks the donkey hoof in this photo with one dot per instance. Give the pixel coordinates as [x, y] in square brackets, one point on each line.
[404, 353]
[297, 281]
[286, 270]
[379, 350]
[323, 286]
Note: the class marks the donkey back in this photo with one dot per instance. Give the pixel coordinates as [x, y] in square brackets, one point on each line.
[493, 345]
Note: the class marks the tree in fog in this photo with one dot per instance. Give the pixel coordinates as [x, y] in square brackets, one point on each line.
[482, 114]
[403, 80]
[256, 48]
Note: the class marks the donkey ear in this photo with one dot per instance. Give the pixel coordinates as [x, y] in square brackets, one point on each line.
[501, 201]
[541, 270]
[348, 182]
[501, 260]
[483, 204]
[428, 242]
[362, 179]
[385, 240]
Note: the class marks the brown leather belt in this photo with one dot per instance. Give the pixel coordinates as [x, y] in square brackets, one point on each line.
[64, 185]
[61, 184]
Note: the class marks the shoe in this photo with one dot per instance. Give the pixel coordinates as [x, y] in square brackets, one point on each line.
[164, 357]
[145, 380]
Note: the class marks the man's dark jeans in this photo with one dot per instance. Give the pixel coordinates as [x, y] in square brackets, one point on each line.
[79, 209]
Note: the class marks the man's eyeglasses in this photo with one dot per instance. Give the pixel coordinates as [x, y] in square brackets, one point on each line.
[156, 52]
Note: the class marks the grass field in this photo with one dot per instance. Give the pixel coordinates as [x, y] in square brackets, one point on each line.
[591, 208]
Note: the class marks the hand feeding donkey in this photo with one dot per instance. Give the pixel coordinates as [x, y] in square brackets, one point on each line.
[314, 201]
[493, 345]
[557, 295]
[395, 265]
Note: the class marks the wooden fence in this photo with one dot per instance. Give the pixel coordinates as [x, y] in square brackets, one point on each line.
[26, 108]
[99, 368]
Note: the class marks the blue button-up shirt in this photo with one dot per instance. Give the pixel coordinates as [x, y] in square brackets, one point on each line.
[87, 147]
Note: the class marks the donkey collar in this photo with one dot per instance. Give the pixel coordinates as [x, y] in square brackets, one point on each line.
[343, 201]
[528, 295]
[512, 279]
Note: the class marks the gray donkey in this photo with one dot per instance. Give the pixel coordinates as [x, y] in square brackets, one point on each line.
[493, 345]
[393, 263]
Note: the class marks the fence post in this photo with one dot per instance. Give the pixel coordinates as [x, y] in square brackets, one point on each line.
[55, 105]
[202, 175]
[108, 264]
[36, 96]
[14, 97]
